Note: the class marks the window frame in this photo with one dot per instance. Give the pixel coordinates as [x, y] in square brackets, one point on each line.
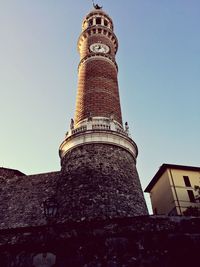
[186, 180]
[191, 196]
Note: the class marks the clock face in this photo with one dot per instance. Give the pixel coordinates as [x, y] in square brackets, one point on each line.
[99, 48]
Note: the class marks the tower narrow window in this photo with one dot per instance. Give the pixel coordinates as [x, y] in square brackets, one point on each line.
[105, 23]
[187, 181]
[98, 20]
[191, 195]
[90, 22]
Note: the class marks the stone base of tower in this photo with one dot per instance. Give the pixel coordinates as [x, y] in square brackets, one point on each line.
[101, 181]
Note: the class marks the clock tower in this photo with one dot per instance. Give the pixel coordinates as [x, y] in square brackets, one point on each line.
[98, 94]
[98, 151]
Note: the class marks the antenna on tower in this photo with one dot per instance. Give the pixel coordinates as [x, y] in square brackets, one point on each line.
[96, 6]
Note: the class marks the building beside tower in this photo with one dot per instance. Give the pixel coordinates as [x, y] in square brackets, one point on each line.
[172, 189]
[92, 212]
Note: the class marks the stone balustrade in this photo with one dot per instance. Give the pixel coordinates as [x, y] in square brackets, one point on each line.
[97, 123]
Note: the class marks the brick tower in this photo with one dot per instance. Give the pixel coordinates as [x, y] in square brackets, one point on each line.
[98, 153]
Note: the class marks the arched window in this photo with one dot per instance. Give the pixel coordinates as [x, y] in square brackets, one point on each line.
[90, 22]
[98, 20]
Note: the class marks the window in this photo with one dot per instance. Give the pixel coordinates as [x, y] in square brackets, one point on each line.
[105, 23]
[90, 22]
[98, 20]
[191, 195]
[187, 181]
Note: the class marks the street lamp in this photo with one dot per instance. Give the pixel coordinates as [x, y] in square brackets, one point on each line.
[50, 208]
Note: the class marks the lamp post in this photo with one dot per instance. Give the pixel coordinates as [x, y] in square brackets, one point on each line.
[50, 208]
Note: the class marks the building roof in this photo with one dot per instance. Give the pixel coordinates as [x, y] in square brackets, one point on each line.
[9, 173]
[163, 168]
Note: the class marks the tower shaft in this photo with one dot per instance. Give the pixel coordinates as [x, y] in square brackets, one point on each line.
[98, 94]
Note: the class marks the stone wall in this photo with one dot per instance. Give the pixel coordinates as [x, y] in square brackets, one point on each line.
[21, 199]
[96, 181]
[145, 241]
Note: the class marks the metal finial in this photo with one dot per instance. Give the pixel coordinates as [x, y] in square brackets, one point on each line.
[96, 6]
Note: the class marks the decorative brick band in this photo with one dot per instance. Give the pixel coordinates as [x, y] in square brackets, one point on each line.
[99, 56]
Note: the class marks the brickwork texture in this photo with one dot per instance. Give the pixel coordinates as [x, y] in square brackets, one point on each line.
[97, 91]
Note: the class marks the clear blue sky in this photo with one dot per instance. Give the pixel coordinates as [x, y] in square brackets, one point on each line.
[159, 78]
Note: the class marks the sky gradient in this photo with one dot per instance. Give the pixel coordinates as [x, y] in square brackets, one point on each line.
[159, 79]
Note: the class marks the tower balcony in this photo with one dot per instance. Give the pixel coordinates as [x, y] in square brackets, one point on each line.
[97, 123]
[98, 130]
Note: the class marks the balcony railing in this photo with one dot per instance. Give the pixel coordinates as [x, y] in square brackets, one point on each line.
[100, 124]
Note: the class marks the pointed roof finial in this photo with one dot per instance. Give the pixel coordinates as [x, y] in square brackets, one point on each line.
[96, 6]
